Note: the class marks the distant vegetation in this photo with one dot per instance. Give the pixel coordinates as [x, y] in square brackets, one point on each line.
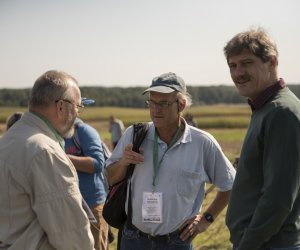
[132, 97]
[207, 116]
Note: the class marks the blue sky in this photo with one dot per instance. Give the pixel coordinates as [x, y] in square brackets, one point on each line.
[128, 42]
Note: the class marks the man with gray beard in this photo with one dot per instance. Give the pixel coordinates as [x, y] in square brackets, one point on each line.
[40, 201]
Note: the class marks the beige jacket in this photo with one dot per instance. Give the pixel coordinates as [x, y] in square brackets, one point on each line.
[40, 201]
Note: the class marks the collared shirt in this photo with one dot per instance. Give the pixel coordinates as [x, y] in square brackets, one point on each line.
[266, 95]
[196, 158]
[40, 201]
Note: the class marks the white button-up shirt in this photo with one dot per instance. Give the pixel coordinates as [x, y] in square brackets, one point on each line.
[196, 158]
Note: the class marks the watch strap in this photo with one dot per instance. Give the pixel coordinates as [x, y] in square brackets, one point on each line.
[208, 217]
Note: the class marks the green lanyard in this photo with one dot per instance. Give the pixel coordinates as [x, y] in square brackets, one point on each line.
[156, 163]
[57, 136]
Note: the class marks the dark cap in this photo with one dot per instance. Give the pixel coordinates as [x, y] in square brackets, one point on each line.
[167, 83]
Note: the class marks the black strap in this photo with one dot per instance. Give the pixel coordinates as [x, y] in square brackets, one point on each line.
[139, 134]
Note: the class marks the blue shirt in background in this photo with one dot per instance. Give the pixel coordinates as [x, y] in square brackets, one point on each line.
[92, 186]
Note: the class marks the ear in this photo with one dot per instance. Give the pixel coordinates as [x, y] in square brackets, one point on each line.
[181, 105]
[273, 62]
[59, 108]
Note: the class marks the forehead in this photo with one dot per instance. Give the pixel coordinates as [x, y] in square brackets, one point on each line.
[162, 96]
[244, 55]
[74, 89]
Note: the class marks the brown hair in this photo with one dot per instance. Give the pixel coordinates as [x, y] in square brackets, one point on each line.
[257, 41]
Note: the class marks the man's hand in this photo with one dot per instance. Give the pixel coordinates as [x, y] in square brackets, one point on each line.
[192, 227]
[117, 171]
[131, 157]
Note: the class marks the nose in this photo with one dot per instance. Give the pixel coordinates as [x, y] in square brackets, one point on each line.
[156, 110]
[157, 106]
[239, 70]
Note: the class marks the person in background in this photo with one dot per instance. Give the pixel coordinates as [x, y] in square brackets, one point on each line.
[189, 118]
[168, 183]
[264, 208]
[12, 119]
[85, 151]
[116, 128]
[40, 201]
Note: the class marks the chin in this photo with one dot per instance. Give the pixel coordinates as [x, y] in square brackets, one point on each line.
[69, 133]
[157, 123]
[243, 90]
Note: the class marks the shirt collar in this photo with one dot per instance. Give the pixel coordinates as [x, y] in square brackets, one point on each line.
[59, 139]
[266, 95]
[186, 136]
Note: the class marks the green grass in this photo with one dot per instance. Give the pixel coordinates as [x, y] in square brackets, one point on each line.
[213, 116]
[219, 110]
[230, 140]
[227, 121]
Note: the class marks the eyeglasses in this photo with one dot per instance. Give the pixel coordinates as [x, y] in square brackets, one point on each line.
[161, 105]
[80, 107]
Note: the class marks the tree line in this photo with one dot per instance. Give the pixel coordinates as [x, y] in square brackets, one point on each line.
[132, 96]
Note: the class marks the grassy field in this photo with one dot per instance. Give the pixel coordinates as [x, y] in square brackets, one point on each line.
[227, 123]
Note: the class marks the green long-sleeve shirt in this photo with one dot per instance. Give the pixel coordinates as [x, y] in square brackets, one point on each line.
[264, 208]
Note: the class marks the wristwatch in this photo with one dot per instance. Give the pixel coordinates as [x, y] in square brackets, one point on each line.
[208, 217]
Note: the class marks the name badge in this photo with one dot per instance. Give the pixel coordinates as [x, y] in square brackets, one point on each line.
[152, 207]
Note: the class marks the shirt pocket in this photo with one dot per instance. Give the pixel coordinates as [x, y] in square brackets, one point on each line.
[188, 183]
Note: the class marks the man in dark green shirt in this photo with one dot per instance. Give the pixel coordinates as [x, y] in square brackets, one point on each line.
[264, 208]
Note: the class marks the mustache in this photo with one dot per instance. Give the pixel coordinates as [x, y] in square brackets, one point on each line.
[243, 78]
